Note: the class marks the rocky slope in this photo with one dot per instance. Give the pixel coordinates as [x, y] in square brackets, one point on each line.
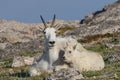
[98, 31]
[15, 35]
[103, 21]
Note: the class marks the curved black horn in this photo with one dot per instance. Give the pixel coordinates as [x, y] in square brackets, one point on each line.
[53, 21]
[43, 21]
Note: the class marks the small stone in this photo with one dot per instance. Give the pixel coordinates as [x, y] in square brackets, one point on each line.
[28, 60]
[114, 57]
[18, 61]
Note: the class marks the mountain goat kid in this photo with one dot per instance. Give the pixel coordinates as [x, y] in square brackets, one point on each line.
[82, 59]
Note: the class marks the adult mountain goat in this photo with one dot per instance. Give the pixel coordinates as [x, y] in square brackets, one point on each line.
[82, 59]
[53, 50]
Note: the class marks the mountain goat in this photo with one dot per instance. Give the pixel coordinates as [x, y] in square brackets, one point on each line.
[82, 59]
[53, 50]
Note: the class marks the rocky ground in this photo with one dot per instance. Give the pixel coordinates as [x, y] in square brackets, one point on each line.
[98, 31]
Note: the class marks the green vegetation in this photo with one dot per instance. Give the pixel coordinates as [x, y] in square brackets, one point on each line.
[28, 54]
[114, 41]
[17, 43]
[101, 47]
[63, 30]
[6, 62]
[8, 73]
[97, 37]
[98, 48]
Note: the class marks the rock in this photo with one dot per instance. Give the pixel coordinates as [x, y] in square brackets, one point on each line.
[28, 60]
[114, 57]
[106, 20]
[11, 71]
[3, 45]
[65, 74]
[103, 21]
[21, 48]
[14, 31]
[20, 61]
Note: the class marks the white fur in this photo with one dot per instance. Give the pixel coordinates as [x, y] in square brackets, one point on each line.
[51, 54]
[81, 58]
[49, 36]
[48, 60]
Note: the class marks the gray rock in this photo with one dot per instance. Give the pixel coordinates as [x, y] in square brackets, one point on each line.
[26, 38]
[3, 45]
[21, 48]
[20, 61]
[114, 57]
[28, 60]
[65, 74]
[103, 21]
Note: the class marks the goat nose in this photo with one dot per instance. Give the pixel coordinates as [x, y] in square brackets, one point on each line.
[52, 42]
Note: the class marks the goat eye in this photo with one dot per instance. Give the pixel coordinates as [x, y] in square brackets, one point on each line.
[70, 52]
[44, 32]
[55, 31]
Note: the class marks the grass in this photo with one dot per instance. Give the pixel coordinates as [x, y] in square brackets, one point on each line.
[28, 54]
[20, 73]
[114, 41]
[105, 51]
[6, 62]
[63, 30]
[90, 38]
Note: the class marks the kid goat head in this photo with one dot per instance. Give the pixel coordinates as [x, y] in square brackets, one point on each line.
[49, 32]
[71, 47]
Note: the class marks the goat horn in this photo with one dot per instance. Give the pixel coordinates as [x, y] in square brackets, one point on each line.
[53, 21]
[43, 21]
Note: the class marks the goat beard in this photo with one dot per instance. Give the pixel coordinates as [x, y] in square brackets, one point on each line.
[51, 45]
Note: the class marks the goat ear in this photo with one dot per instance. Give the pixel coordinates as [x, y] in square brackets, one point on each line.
[75, 46]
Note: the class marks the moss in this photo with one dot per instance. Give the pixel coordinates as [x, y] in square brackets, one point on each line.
[81, 41]
[90, 38]
[91, 73]
[114, 41]
[98, 48]
[63, 30]
[108, 35]
[113, 67]
[30, 54]
[17, 43]
[6, 62]
[20, 73]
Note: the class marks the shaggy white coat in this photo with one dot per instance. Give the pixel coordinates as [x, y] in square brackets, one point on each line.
[48, 60]
[81, 58]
